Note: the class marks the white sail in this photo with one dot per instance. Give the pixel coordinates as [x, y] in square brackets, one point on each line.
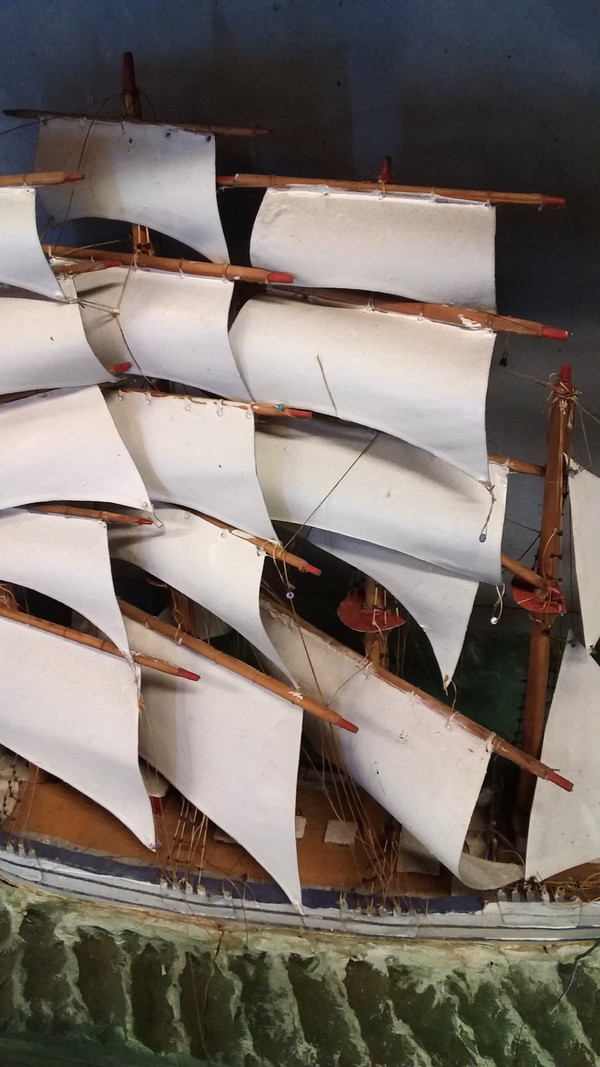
[64, 446]
[168, 325]
[423, 769]
[66, 558]
[212, 566]
[43, 346]
[73, 711]
[371, 486]
[231, 748]
[195, 452]
[22, 262]
[584, 496]
[440, 602]
[373, 368]
[418, 247]
[564, 828]
[158, 176]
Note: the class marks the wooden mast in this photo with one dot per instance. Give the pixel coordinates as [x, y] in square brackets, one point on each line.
[560, 425]
[182, 607]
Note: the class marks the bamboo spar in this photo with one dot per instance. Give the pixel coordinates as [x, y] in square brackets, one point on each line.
[60, 177]
[116, 517]
[96, 642]
[257, 275]
[560, 425]
[236, 666]
[270, 548]
[209, 128]
[448, 314]
[266, 181]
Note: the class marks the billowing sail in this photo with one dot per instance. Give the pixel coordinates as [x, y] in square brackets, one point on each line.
[22, 262]
[66, 558]
[74, 711]
[584, 496]
[564, 828]
[423, 769]
[195, 452]
[64, 446]
[440, 602]
[158, 176]
[212, 566]
[42, 344]
[374, 368]
[231, 748]
[168, 325]
[418, 247]
[371, 486]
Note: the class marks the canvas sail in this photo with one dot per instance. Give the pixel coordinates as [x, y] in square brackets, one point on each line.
[420, 767]
[170, 326]
[231, 748]
[440, 602]
[64, 446]
[212, 566]
[584, 497]
[42, 344]
[197, 453]
[418, 247]
[372, 367]
[564, 830]
[158, 176]
[375, 488]
[22, 262]
[66, 558]
[73, 711]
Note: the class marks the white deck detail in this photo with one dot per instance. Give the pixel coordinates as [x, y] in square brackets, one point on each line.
[411, 246]
[129, 176]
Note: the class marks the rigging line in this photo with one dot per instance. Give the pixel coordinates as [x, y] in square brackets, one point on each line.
[81, 155]
[577, 960]
[326, 384]
[585, 436]
[334, 487]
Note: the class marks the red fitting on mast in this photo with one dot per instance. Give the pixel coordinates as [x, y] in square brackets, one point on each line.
[386, 171]
[555, 334]
[553, 201]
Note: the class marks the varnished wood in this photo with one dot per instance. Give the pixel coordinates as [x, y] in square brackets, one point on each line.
[115, 517]
[518, 466]
[492, 740]
[255, 275]
[270, 548]
[463, 317]
[237, 667]
[560, 425]
[61, 177]
[376, 644]
[101, 645]
[208, 128]
[265, 181]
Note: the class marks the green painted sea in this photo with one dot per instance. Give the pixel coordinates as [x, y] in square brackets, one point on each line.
[81, 984]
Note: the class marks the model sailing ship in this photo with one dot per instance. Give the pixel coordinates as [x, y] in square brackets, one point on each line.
[164, 414]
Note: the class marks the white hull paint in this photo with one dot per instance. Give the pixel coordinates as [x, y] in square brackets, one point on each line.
[500, 920]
